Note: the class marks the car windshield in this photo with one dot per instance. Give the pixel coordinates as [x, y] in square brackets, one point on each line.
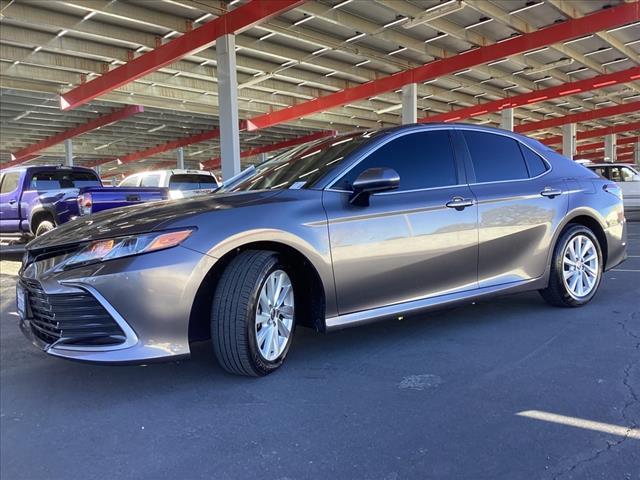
[57, 179]
[301, 167]
[191, 181]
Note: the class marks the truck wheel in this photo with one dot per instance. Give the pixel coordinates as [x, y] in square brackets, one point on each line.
[252, 315]
[44, 227]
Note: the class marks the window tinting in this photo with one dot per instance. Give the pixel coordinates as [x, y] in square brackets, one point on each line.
[192, 182]
[9, 182]
[535, 164]
[150, 181]
[57, 179]
[626, 174]
[422, 159]
[495, 157]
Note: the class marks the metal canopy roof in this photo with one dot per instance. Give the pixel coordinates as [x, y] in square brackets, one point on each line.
[47, 47]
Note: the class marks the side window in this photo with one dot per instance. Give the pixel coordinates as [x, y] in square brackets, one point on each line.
[150, 181]
[422, 159]
[603, 172]
[130, 181]
[9, 182]
[626, 174]
[43, 181]
[495, 157]
[614, 174]
[535, 164]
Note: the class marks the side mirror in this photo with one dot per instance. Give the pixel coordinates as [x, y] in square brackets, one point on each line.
[373, 180]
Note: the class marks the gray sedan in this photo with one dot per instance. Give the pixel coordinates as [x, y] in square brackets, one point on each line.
[333, 234]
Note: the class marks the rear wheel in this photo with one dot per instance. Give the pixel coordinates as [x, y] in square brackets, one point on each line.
[252, 315]
[44, 227]
[576, 269]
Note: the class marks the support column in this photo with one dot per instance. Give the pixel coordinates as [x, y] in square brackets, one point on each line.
[569, 140]
[180, 159]
[410, 103]
[68, 153]
[97, 169]
[506, 120]
[228, 106]
[636, 154]
[610, 148]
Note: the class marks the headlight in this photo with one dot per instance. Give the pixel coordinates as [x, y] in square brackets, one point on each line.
[119, 247]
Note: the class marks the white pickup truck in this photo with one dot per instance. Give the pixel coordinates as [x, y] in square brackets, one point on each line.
[627, 178]
[181, 183]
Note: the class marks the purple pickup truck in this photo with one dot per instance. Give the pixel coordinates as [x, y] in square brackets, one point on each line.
[33, 200]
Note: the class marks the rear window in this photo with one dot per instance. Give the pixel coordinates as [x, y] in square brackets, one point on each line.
[151, 180]
[191, 181]
[57, 179]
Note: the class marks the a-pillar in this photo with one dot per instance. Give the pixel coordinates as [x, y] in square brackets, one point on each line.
[228, 106]
[409, 103]
[569, 140]
[506, 119]
[68, 152]
[610, 148]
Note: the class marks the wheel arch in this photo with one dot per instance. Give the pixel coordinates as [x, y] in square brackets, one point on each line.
[39, 214]
[588, 218]
[310, 309]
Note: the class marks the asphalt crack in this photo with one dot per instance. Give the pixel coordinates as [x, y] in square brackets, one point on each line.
[634, 398]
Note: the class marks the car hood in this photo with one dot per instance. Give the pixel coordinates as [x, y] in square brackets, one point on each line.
[142, 218]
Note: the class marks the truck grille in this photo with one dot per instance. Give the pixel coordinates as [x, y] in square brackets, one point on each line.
[77, 318]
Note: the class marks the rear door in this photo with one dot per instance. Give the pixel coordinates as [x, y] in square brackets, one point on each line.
[407, 244]
[520, 202]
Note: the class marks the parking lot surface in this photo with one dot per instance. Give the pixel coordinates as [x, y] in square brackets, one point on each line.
[509, 388]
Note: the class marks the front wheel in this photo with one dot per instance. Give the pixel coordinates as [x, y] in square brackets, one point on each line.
[44, 227]
[253, 314]
[576, 268]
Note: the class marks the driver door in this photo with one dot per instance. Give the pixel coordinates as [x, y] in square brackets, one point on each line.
[407, 244]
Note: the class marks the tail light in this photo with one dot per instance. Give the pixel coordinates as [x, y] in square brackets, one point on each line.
[85, 204]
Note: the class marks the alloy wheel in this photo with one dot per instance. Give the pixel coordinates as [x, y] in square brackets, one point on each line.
[274, 315]
[580, 266]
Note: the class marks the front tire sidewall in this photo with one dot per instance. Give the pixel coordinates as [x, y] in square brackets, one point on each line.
[567, 298]
[44, 227]
[263, 365]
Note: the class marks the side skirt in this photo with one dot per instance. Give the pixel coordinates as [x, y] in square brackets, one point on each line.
[432, 303]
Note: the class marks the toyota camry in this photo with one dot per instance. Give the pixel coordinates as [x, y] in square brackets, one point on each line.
[332, 234]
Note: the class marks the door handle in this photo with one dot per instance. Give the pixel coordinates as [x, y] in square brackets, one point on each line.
[13, 201]
[551, 192]
[459, 203]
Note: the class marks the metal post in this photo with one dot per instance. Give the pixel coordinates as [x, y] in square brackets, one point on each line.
[610, 148]
[68, 153]
[180, 159]
[506, 119]
[636, 154]
[228, 106]
[97, 169]
[410, 103]
[569, 140]
[262, 157]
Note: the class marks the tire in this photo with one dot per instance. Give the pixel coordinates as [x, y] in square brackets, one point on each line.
[239, 339]
[44, 227]
[559, 292]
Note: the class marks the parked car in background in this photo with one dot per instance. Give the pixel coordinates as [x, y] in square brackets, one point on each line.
[332, 234]
[628, 179]
[181, 183]
[34, 200]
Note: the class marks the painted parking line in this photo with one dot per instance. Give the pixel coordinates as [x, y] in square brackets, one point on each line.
[627, 432]
[624, 270]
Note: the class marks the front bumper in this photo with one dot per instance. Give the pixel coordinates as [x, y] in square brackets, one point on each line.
[149, 296]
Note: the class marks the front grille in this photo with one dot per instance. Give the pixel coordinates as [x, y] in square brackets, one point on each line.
[77, 318]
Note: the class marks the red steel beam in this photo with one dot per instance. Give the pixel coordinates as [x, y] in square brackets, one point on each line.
[215, 162]
[236, 21]
[27, 153]
[536, 96]
[172, 145]
[600, 145]
[596, 155]
[579, 117]
[569, 29]
[598, 132]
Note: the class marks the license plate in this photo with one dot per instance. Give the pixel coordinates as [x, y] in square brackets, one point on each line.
[21, 301]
